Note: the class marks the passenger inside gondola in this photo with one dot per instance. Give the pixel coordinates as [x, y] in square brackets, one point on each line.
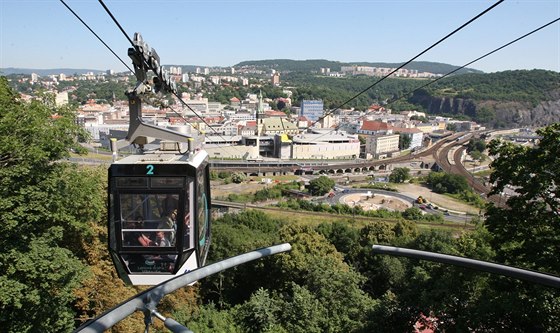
[162, 240]
[169, 203]
[169, 223]
[135, 234]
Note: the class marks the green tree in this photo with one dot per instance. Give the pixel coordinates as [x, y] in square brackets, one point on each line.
[451, 127]
[235, 234]
[208, 319]
[399, 175]
[45, 205]
[343, 235]
[238, 177]
[321, 185]
[534, 210]
[478, 145]
[525, 232]
[404, 141]
[412, 213]
[442, 182]
[477, 155]
[260, 313]
[317, 266]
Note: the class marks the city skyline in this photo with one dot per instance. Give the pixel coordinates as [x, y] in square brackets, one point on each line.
[44, 34]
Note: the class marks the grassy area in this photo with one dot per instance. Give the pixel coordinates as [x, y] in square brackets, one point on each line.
[314, 219]
[377, 186]
[94, 156]
[471, 199]
[283, 178]
[483, 173]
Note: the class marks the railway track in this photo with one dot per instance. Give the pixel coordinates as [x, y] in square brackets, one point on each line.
[442, 159]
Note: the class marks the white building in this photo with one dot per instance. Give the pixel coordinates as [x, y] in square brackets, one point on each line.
[380, 146]
[61, 98]
[323, 146]
[416, 136]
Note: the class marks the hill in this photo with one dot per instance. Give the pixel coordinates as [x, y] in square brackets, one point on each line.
[288, 65]
[502, 99]
[46, 72]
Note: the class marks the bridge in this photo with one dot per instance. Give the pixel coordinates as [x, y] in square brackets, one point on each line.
[277, 168]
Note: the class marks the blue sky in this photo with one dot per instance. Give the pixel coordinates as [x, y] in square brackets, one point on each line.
[44, 34]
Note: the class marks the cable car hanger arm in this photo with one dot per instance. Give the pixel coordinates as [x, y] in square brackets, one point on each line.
[145, 58]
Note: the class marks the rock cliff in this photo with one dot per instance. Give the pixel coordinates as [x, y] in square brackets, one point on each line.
[503, 113]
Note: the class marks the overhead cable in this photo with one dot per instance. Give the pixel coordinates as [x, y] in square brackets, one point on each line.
[99, 38]
[406, 63]
[174, 93]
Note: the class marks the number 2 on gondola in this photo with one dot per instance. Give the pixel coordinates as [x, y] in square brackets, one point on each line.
[149, 169]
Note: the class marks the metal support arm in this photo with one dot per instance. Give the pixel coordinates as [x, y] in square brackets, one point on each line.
[150, 298]
[518, 273]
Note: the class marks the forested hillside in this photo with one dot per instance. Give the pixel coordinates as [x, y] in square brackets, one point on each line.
[503, 99]
[314, 65]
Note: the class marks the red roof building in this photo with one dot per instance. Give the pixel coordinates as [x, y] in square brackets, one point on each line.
[372, 127]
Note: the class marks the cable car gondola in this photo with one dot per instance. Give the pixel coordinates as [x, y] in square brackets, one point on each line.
[159, 199]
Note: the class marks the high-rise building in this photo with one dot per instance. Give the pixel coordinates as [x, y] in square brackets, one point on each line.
[276, 79]
[311, 109]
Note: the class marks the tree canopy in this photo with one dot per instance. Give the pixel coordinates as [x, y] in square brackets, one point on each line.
[321, 185]
[399, 175]
[45, 205]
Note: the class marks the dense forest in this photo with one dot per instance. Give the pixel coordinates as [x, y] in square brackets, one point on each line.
[55, 271]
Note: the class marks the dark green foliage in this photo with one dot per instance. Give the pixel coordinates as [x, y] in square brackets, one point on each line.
[404, 141]
[321, 185]
[477, 156]
[519, 85]
[37, 281]
[526, 232]
[412, 213]
[103, 92]
[451, 127]
[485, 115]
[260, 313]
[302, 311]
[268, 193]
[341, 234]
[45, 205]
[208, 319]
[233, 235]
[478, 145]
[399, 175]
[442, 182]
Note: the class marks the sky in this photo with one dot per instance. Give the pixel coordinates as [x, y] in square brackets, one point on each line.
[44, 34]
